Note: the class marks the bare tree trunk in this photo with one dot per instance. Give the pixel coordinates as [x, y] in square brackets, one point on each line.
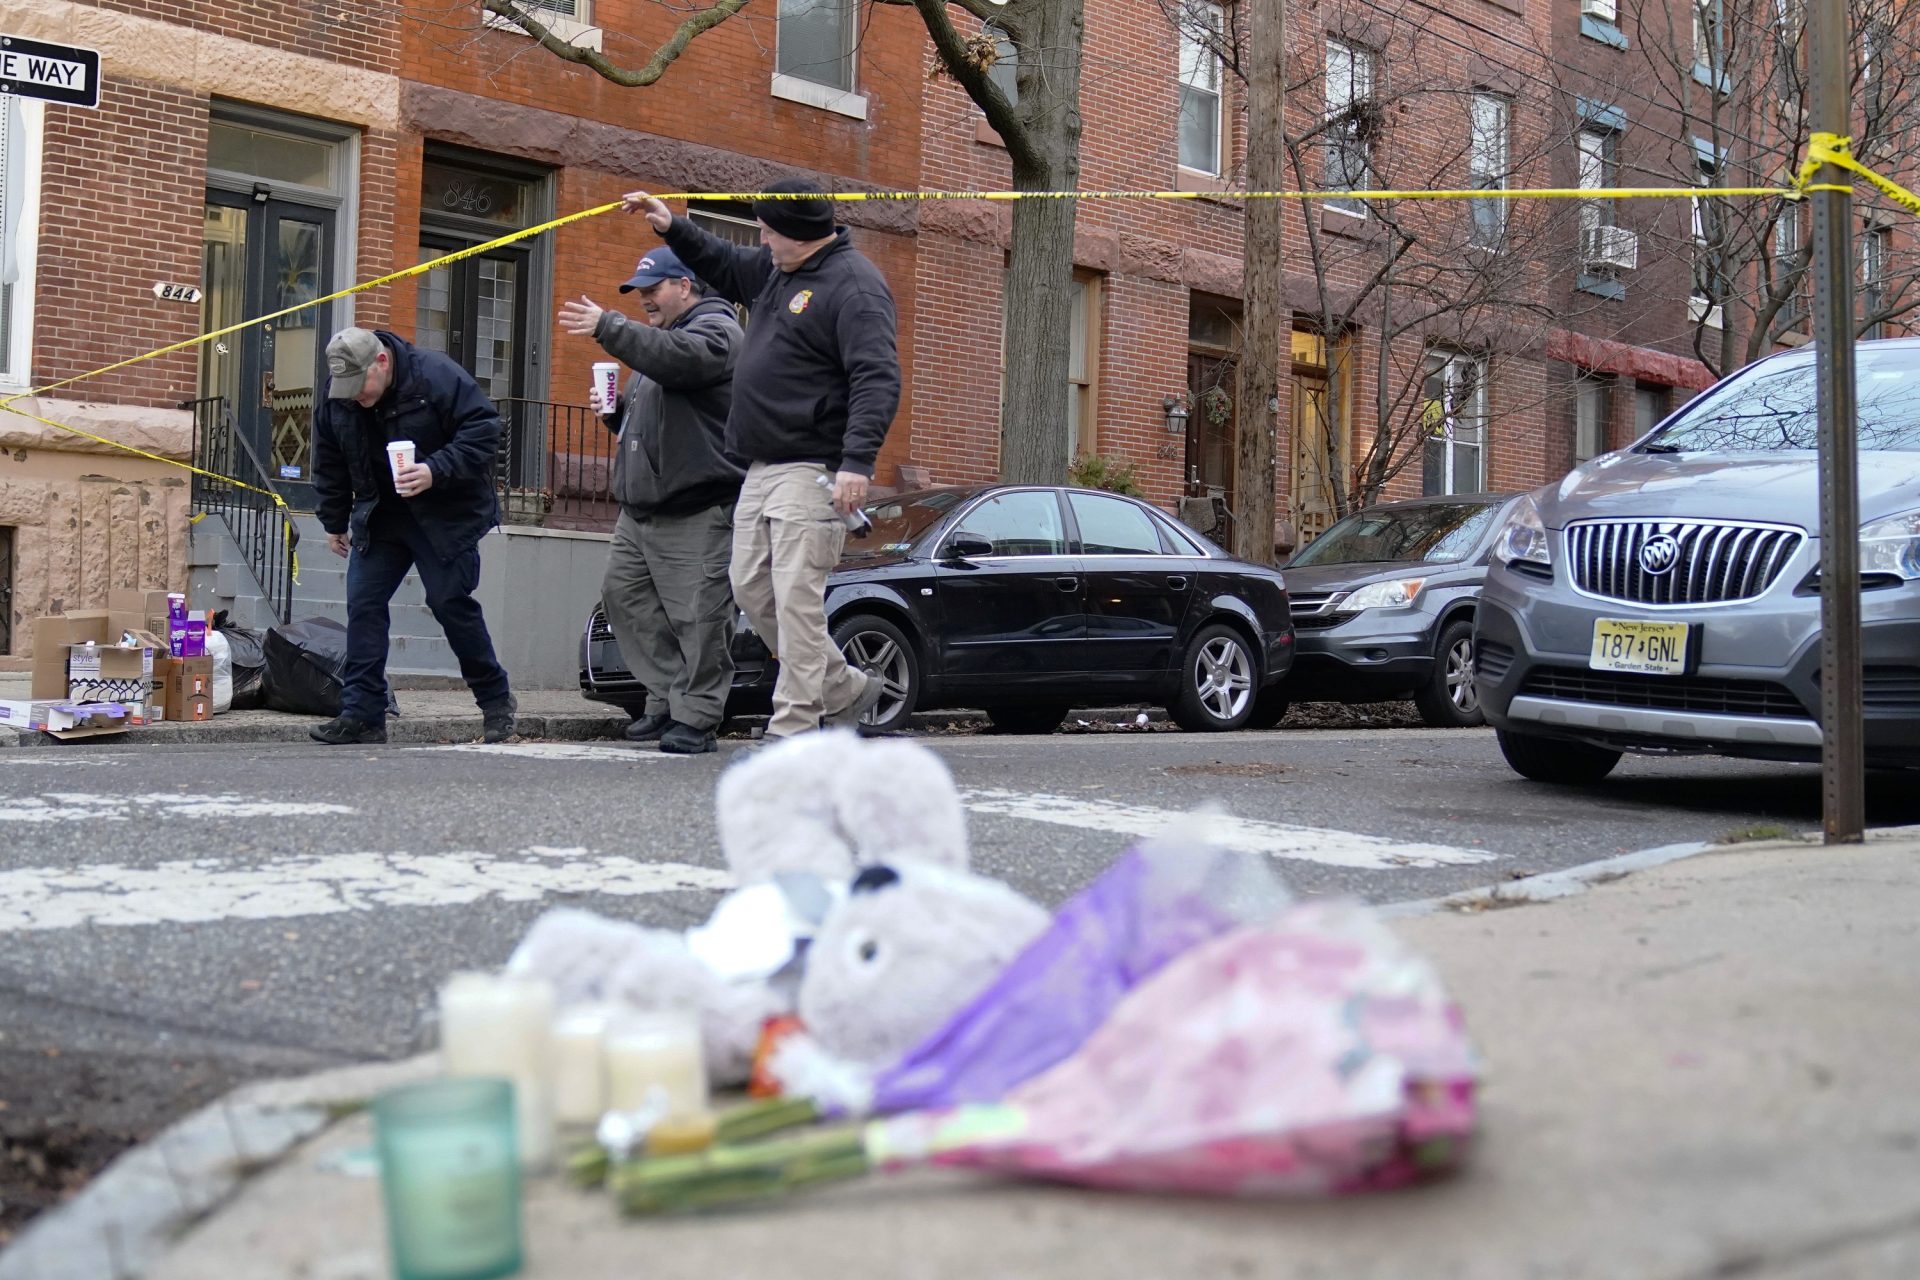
[1039, 311]
[1266, 327]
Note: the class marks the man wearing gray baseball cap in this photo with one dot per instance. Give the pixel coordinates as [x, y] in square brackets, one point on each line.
[403, 452]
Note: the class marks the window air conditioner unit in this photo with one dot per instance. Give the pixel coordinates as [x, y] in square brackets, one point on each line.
[1604, 10]
[1615, 248]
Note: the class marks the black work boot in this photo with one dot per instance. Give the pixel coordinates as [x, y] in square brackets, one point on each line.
[497, 719]
[685, 740]
[344, 731]
[648, 728]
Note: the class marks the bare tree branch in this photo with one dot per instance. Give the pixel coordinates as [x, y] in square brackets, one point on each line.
[655, 66]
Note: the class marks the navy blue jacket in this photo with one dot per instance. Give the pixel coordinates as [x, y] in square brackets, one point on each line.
[818, 378]
[455, 430]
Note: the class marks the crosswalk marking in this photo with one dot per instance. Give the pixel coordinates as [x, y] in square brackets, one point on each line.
[1251, 835]
[206, 889]
[76, 806]
[560, 751]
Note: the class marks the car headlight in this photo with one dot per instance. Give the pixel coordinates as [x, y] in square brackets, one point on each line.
[1524, 536]
[1396, 594]
[1892, 545]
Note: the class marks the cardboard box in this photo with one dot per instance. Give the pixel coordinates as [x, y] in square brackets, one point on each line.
[188, 694]
[157, 697]
[25, 714]
[147, 604]
[53, 637]
[102, 673]
[69, 720]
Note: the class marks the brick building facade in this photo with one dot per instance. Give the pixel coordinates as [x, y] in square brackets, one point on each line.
[272, 152]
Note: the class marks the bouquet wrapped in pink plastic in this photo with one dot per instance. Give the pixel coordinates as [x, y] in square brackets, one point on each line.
[1308, 1053]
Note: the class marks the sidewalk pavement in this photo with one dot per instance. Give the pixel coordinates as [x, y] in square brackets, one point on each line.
[426, 715]
[1701, 1069]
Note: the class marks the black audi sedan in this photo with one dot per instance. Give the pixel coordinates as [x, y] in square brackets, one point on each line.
[1383, 605]
[1029, 601]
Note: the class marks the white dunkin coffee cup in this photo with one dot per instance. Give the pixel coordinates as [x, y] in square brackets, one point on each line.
[606, 380]
[399, 454]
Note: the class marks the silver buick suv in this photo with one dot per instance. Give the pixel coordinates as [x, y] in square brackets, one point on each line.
[1666, 598]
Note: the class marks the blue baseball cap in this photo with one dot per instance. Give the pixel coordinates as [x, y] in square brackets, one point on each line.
[661, 264]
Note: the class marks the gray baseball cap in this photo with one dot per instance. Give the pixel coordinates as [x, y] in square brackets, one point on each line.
[350, 353]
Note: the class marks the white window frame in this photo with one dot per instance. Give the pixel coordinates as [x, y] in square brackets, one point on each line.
[1202, 28]
[24, 224]
[1084, 320]
[1700, 303]
[1458, 370]
[794, 86]
[1489, 154]
[1592, 408]
[1598, 152]
[570, 21]
[1786, 247]
[1875, 243]
[1349, 82]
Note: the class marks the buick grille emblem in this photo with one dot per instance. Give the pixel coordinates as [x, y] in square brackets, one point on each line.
[1660, 553]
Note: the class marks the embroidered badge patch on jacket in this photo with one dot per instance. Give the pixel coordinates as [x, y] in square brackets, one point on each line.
[800, 301]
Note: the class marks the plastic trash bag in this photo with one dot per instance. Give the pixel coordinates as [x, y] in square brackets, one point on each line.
[304, 661]
[222, 654]
[249, 662]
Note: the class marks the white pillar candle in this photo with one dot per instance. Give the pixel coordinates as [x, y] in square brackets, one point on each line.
[496, 1025]
[580, 1064]
[656, 1050]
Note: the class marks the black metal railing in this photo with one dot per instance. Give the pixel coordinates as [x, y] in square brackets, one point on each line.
[263, 529]
[555, 466]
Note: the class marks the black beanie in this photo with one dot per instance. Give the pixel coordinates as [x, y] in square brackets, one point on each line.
[797, 219]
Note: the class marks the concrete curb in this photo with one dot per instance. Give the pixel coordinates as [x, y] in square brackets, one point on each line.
[125, 1219]
[570, 727]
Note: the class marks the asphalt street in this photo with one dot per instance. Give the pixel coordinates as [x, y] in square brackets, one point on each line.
[173, 922]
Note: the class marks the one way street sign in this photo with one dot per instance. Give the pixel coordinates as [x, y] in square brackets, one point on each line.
[56, 72]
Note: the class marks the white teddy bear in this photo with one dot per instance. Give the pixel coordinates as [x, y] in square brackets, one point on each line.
[855, 910]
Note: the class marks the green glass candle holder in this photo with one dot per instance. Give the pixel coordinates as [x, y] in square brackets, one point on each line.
[450, 1176]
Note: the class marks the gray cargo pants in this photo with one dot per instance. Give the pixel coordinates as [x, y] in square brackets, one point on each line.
[671, 610]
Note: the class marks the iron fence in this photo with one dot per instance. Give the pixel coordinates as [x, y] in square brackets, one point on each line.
[555, 466]
[262, 529]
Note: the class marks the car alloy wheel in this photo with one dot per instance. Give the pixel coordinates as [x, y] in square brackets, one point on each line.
[880, 649]
[1216, 681]
[1449, 699]
[1459, 677]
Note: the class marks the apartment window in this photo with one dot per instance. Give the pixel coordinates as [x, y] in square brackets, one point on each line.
[1083, 361]
[1201, 31]
[1786, 268]
[1651, 403]
[731, 221]
[1487, 152]
[1005, 71]
[569, 20]
[815, 41]
[1592, 402]
[19, 199]
[1352, 123]
[1709, 240]
[1599, 157]
[1454, 417]
[1873, 280]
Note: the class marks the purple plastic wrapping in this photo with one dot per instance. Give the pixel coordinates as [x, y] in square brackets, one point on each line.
[1155, 903]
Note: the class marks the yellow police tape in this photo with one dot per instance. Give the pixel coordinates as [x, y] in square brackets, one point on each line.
[1822, 149]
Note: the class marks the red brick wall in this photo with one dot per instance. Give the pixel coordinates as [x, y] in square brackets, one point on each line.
[122, 189]
[356, 33]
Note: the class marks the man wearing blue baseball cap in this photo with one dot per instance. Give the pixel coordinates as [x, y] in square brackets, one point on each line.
[665, 592]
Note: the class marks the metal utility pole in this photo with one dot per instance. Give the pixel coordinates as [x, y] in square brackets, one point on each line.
[1842, 750]
[1266, 324]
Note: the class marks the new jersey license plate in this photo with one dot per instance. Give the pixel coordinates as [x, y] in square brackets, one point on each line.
[1646, 648]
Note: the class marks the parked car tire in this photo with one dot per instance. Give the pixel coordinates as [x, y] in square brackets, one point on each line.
[1028, 717]
[1552, 760]
[1447, 700]
[1269, 709]
[876, 645]
[1217, 682]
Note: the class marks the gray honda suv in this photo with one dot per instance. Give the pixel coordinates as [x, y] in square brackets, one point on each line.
[1666, 598]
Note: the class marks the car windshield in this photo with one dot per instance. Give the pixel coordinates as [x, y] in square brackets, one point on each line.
[898, 522]
[1771, 410]
[1435, 532]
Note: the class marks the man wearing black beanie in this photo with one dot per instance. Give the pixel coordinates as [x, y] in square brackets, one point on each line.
[815, 389]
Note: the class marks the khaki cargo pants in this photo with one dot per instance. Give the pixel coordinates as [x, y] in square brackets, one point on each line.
[786, 539]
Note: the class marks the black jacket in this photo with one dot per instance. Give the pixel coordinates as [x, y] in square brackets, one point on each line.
[672, 419]
[455, 430]
[819, 374]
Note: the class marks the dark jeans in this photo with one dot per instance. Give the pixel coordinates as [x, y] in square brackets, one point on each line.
[373, 576]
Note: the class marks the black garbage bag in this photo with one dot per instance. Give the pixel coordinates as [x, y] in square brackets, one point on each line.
[304, 662]
[249, 662]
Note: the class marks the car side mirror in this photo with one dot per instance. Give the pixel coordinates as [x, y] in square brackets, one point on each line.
[967, 546]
